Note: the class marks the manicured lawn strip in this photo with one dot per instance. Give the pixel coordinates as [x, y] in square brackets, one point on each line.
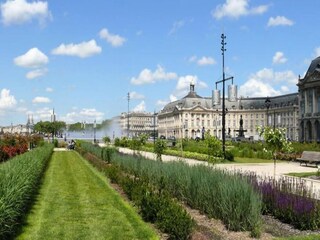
[76, 202]
[303, 174]
[252, 160]
[309, 237]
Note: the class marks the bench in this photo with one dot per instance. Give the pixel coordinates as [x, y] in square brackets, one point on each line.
[309, 157]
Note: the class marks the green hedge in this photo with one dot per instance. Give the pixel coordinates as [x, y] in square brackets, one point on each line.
[19, 182]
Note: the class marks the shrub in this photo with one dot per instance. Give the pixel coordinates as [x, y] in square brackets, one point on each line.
[229, 156]
[159, 148]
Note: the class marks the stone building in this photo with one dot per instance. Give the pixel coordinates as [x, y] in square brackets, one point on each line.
[192, 115]
[139, 122]
[309, 97]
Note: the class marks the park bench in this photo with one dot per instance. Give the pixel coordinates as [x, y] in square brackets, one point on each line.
[310, 157]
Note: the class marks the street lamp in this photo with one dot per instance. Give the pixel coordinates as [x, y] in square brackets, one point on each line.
[224, 110]
[128, 125]
[94, 131]
[267, 103]
[154, 127]
[53, 119]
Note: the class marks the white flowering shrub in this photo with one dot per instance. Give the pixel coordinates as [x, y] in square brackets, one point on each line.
[275, 140]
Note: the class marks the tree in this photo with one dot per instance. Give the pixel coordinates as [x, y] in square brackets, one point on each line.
[276, 142]
[214, 146]
[49, 127]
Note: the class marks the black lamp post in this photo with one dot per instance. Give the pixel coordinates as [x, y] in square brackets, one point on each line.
[53, 119]
[128, 125]
[224, 110]
[154, 127]
[267, 103]
[94, 131]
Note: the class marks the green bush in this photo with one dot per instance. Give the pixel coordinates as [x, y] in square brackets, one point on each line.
[107, 153]
[19, 181]
[229, 156]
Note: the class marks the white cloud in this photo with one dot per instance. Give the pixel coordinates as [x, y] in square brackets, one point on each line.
[113, 39]
[86, 114]
[41, 100]
[193, 58]
[141, 107]
[21, 11]
[49, 89]
[82, 50]
[279, 58]
[91, 113]
[176, 25]
[262, 83]
[162, 103]
[173, 98]
[7, 101]
[257, 88]
[206, 61]
[236, 9]
[317, 52]
[36, 73]
[135, 95]
[279, 21]
[43, 114]
[32, 59]
[183, 85]
[202, 61]
[146, 76]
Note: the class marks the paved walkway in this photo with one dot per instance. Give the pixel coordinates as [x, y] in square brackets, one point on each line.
[261, 169]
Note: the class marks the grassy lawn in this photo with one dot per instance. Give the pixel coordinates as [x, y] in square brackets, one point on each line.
[251, 160]
[303, 174]
[76, 202]
[309, 237]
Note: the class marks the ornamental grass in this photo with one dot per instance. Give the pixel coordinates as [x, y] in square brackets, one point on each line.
[19, 181]
[217, 193]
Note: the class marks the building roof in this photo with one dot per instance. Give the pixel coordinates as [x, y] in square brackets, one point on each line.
[314, 66]
[192, 100]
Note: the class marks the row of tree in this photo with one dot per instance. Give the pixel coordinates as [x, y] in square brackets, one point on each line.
[58, 127]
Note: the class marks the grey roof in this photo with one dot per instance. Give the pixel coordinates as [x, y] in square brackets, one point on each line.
[314, 66]
[192, 100]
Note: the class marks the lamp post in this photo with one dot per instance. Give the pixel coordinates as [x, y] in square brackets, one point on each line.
[154, 128]
[53, 119]
[267, 103]
[94, 131]
[128, 125]
[224, 79]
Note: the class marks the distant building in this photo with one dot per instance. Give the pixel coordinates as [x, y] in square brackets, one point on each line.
[309, 97]
[20, 128]
[192, 115]
[137, 123]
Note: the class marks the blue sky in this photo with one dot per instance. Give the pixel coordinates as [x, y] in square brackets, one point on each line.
[83, 57]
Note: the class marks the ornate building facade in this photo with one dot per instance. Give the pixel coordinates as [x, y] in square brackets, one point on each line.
[309, 97]
[136, 123]
[192, 115]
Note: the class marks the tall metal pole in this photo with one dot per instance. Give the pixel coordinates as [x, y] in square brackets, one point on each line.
[53, 119]
[94, 131]
[223, 43]
[154, 128]
[128, 114]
